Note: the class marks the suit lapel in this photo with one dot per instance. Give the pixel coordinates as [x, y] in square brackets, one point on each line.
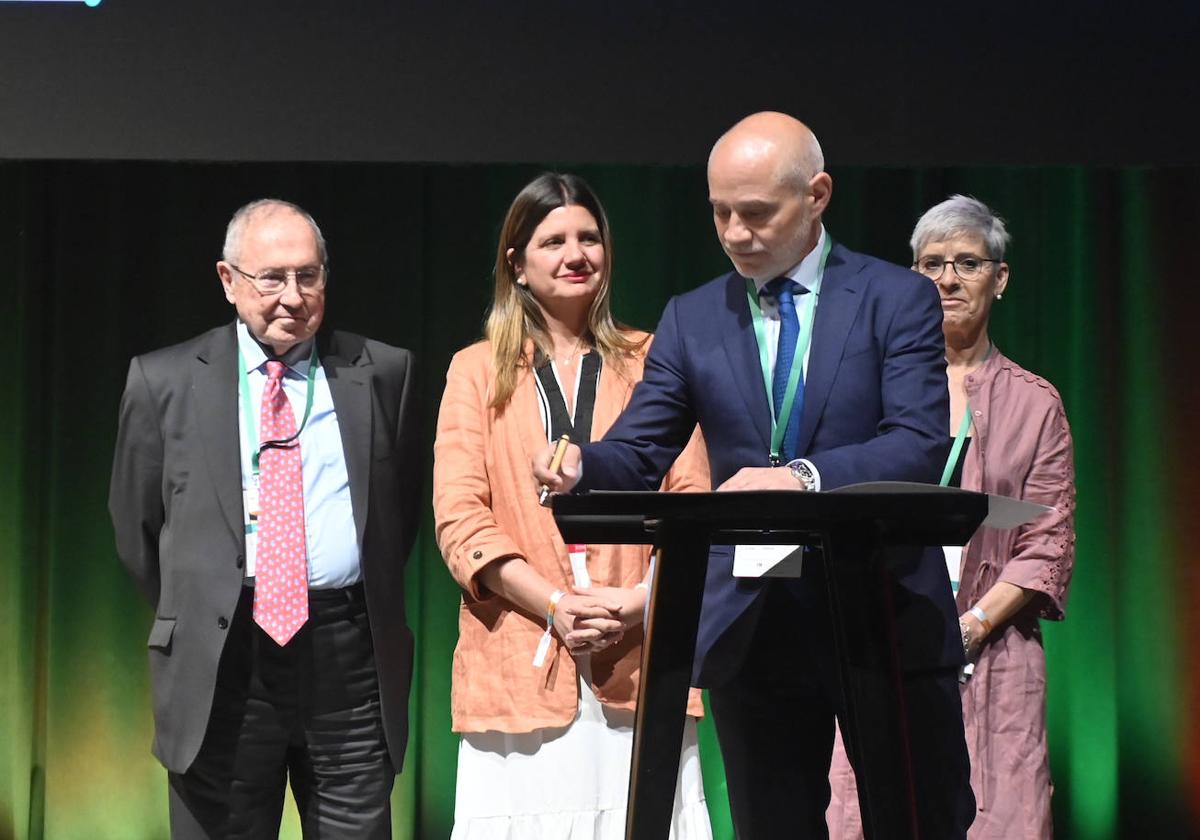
[524, 410]
[349, 378]
[215, 396]
[737, 333]
[841, 296]
[527, 414]
[612, 394]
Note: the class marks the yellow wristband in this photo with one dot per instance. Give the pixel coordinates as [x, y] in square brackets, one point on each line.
[555, 597]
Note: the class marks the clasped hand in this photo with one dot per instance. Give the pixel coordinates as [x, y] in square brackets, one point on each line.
[596, 618]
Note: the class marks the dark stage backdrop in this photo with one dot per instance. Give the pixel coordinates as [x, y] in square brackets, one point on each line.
[104, 260]
[625, 81]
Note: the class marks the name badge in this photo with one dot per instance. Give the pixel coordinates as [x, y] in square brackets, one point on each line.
[953, 564]
[250, 503]
[251, 511]
[577, 552]
[753, 561]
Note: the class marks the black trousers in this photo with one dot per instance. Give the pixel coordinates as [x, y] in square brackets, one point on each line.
[775, 725]
[308, 711]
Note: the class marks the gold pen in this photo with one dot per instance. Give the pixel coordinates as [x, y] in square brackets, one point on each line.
[560, 450]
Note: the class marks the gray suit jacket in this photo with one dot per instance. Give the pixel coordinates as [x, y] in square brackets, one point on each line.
[176, 506]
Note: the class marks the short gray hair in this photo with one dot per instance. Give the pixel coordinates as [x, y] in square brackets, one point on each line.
[961, 215]
[261, 207]
[808, 164]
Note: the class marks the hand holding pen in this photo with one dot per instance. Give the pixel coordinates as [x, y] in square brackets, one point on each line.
[557, 468]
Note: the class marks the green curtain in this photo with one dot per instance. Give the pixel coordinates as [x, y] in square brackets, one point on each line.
[105, 260]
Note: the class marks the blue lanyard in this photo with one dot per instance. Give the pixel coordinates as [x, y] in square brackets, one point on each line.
[809, 311]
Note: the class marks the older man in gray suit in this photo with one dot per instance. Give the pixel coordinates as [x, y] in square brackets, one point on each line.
[265, 495]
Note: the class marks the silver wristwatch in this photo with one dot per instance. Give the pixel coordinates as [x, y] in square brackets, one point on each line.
[803, 473]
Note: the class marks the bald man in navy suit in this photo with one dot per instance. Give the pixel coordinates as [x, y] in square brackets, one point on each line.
[869, 404]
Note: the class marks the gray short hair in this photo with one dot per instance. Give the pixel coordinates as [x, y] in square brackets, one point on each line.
[264, 206]
[810, 162]
[961, 215]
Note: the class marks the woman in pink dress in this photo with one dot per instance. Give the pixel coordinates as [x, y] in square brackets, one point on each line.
[1015, 441]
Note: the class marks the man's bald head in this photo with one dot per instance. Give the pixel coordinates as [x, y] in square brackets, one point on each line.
[768, 189]
[772, 136]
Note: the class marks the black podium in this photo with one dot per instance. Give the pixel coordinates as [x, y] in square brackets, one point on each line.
[852, 527]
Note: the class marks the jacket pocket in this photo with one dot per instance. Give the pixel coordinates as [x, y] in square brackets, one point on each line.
[161, 633]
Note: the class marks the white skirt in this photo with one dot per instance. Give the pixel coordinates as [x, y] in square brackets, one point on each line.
[567, 783]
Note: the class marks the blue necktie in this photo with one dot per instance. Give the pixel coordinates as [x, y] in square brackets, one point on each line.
[782, 289]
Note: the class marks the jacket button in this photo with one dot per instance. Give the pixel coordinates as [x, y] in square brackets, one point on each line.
[240, 561]
[222, 622]
[477, 555]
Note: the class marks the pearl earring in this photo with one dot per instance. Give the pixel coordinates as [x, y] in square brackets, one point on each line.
[999, 296]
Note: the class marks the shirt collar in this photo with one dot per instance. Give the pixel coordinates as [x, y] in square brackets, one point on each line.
[805, 271]
[256, 355]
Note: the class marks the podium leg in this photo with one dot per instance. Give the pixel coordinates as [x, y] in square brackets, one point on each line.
[875, 725]
[668, 650]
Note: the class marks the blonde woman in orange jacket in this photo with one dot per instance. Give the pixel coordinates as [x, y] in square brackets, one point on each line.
[546, 712]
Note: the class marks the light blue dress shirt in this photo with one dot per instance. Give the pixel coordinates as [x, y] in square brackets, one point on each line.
[805, 274]
[330, 536]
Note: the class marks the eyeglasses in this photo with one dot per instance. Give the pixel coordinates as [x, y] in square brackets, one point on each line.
[967, 268]
[272, 281]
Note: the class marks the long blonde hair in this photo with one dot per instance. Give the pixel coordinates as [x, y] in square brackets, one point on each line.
[515, 316]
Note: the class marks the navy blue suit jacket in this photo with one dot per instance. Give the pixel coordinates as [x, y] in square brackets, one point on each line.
[875, 408]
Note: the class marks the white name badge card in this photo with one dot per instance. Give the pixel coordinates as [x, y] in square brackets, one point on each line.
[753, 561]
[250, 515]
[577, 552]
[953, 564]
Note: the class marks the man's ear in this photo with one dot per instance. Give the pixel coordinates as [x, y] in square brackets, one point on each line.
[226, 275]
[820, 187]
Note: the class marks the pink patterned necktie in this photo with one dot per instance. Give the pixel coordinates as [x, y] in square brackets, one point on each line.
[281, 561]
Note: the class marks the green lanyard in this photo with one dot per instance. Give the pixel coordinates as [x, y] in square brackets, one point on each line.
[809, 307]
[248, 410]
[961, 437]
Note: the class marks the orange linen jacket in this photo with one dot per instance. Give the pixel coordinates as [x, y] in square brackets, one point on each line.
[486, 508]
